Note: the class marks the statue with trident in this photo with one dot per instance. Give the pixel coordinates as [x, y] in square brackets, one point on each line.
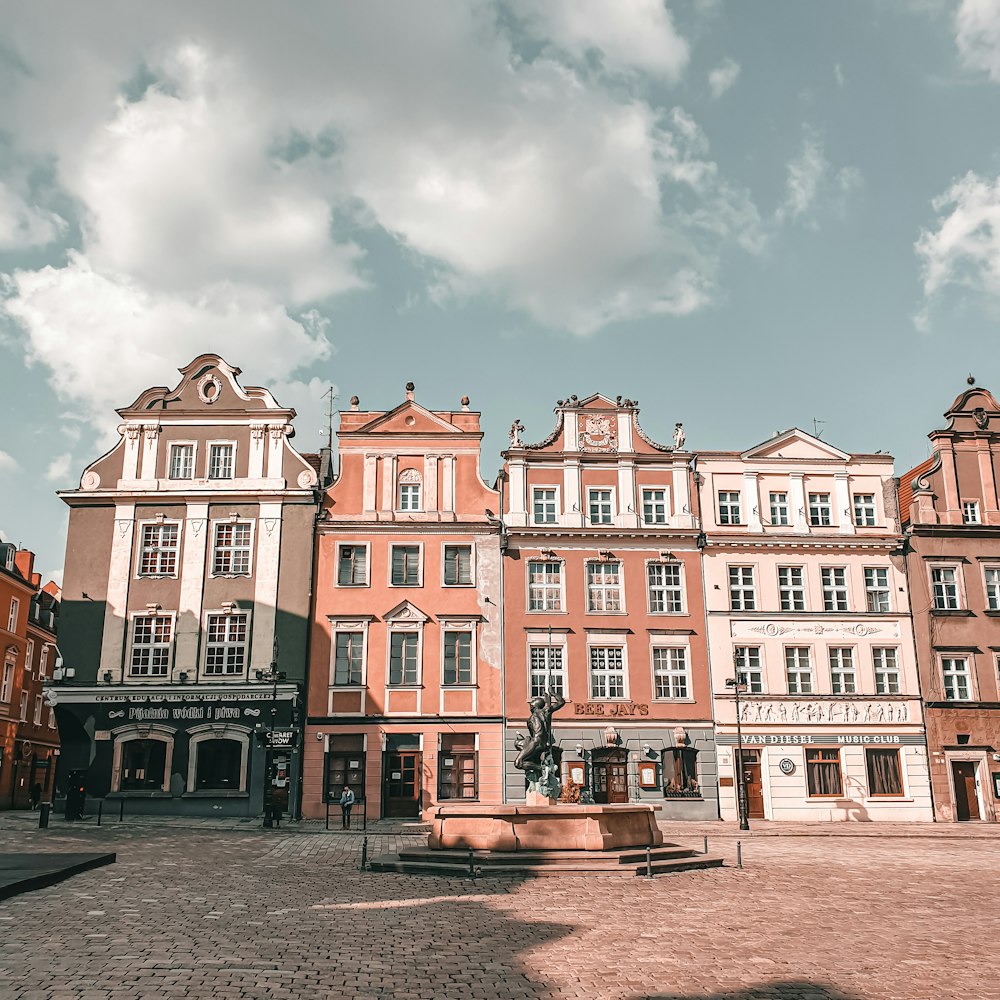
[535, 754]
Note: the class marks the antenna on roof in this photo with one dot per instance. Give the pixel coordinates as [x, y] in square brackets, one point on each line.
[329, 417]
[816, 431]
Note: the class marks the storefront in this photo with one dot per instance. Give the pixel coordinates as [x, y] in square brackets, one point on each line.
[202, 752]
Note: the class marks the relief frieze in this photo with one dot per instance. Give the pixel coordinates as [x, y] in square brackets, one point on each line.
[879, 628]
[824, 711]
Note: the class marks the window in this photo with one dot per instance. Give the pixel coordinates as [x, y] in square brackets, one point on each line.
[729, 507]
[458, 565]
[604, 587]
[823, 771]
[742, 595]
[181, 461]
[218, 765]
[457, 759]
[791, 588]
[43, 661]
[956, 678]
[458, 658]
[546, 667]
[877, 588]
[24, 706]
[29, 655]
[748, 668]
[884, 659]
[406, 565]
[152, 636]
[352, 565]
[885, 777]
[38, 710]
[654, 506]
[779, 508]
[834, 588]
[403, 664]
[864, 510]
[52, 719]
[543, 505]
[820, 512]
[842, 670]
[220, 461]
[349, 659]
[409, 496]
[798, 670]
[231, 551]
[15, 605]
[666, 592]
[158, 550]
[944, 586]
[143, 764]
[970, 512]
[600, 504]
[992, 588]
[607, 672]
[670, 673]
[7, 686]
[226, 645]
[544, 586]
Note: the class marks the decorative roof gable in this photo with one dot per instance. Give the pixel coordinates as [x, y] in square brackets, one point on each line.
[405, 611]
[797, 444]
[407, 418]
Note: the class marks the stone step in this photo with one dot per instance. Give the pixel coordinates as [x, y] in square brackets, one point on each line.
[629, 856]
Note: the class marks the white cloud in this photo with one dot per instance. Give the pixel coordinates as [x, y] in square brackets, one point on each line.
[838, 75]
[58, 470]
[723, 77]
[812, 181]
[963, 247]
[8, 463]
[23, 225]
[977, 33]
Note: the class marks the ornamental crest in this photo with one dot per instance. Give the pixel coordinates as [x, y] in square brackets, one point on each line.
[597, 433]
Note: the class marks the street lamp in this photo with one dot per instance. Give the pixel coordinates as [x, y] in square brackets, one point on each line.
[738, 683]
[272, 676]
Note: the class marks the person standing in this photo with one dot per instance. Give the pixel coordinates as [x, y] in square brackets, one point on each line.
[346, 801]
[36, 794]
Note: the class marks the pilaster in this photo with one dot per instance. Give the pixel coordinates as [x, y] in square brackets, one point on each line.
[119, 578]
[265, 593]
[189, 604]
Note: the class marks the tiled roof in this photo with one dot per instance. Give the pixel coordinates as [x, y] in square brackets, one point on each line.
[906, 487]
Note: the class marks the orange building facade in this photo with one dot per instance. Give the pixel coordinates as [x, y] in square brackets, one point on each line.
[603, 603]
[404, 694]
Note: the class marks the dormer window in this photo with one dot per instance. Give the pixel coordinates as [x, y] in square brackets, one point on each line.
[410, 485]
[970, 512]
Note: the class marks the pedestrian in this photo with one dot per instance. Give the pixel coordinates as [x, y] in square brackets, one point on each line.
[346, 801]
[36, 795]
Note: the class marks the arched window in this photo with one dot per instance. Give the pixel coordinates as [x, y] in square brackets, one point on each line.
[218, 765]
[410, 485]
[143, 765]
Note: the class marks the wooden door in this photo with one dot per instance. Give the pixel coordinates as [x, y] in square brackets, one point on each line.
[966, 799]
[610, 781]
[401, 783]
[753, 785]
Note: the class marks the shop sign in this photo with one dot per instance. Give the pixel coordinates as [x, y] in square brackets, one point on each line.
[182, 713]
[282, 739]
[821, 739]
[786, 765]
[609, 708]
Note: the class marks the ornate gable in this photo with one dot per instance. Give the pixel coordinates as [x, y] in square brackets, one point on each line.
[405, 611]
[795, 444]
[408, 418]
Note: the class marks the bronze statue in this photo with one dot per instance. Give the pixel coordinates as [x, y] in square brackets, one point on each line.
[535, 754]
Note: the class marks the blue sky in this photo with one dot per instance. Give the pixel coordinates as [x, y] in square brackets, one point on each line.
[746, 216]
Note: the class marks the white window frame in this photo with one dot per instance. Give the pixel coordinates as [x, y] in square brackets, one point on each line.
[816, 521]
[410, 488]
[224, 613]
[37, 717]
[685, 652]
[561, 563]
[799, 671]
[844, 667]
[865, 514]
[883, 671]
[539, 640]
[193, 445]
[593, 642]
[727, 504]
[747, 669]
[556, 502]
[141, 548]
[782, 519]
[7, 683]
[971, 507]
[250, 546]
[460, 625]
[15, 608]
[587, 563]
[612, 511]
[43, 660]
[24, 706]
[368, 564]
[420, 564]
[991, 590]
[665, 490]
[150, 678]
[142, 733]
[209, 445]
[956, 568]
[872, 589]
[968, 673]
[395, 629]
[199, 735]
[836, 593]
[472, 563]
[742, 587]
[680, 588]
[795, 592]
[29, 654]
[348, 626]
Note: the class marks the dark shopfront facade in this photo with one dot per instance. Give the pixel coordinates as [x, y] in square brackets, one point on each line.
[197, 752]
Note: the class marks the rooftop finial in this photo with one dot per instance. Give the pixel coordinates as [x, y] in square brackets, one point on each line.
[970, 379]
[409, 390]
[465, 402]
[355, 402]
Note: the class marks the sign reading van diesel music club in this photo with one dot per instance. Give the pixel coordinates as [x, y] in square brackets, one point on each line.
[821, 739]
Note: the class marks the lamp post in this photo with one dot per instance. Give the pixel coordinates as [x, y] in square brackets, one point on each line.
[737, 683]
[274, 677]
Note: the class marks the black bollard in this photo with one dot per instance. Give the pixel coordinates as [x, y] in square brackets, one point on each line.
[364, 855]
[43, 816]
[121, 811]
[706, 845]
[100, 811]
[739, 854]
[649, 862]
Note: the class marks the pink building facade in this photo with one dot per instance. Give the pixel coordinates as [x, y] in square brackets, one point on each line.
[807, 601]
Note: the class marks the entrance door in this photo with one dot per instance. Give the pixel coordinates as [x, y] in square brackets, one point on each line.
[753, 785]
[966, 800]
[401, 783]
[610, 781]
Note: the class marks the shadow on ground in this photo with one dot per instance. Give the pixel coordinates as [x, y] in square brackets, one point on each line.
[795, 989]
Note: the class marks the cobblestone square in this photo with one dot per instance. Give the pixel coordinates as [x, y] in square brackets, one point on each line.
[202, 912]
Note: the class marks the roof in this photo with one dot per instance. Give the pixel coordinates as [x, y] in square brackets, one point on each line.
[905, 491]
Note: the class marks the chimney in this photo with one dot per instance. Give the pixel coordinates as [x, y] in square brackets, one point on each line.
[25, 562]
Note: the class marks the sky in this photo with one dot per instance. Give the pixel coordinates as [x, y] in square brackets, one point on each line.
[746, 216]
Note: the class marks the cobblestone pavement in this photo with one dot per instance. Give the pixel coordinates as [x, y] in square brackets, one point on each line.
[272, 914]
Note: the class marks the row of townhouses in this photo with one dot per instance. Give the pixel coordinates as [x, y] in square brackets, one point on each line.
[242, 623]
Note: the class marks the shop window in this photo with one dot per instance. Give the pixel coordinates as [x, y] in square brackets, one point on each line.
[219, 765]
[142, 765]
[345, 765]
[823, 771]
[885, 777]
[679, 766]
[458, 769]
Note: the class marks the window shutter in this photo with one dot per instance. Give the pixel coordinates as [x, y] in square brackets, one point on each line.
[360, 557]
[450, 657]
[396, 660]
[451, 564]
[464, 568]
[344, 568]
[398, 565]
